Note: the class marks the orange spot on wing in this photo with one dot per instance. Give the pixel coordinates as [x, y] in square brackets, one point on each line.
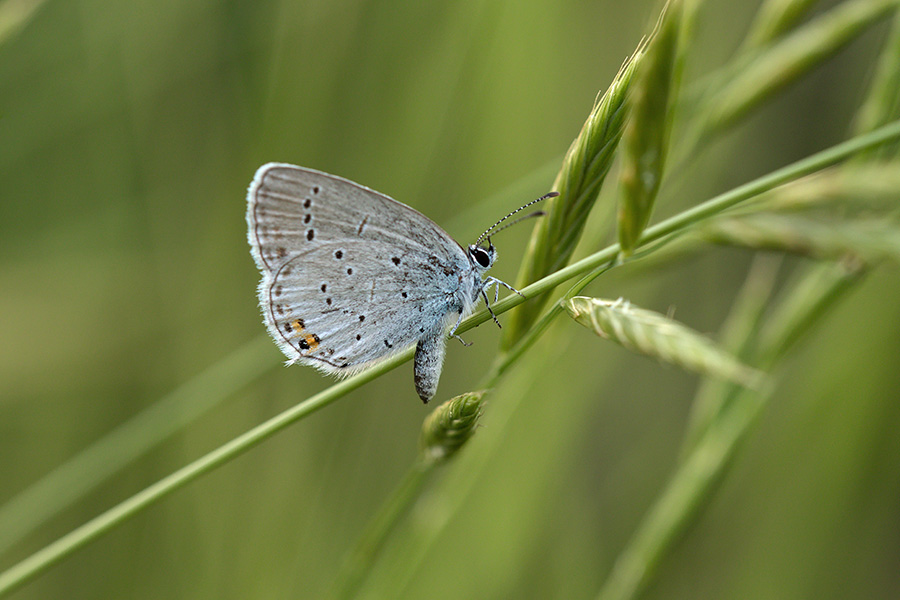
[312, 340]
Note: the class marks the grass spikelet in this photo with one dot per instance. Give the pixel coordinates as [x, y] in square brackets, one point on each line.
[646, 137]
[449, 426]
[788, 59]
[584, 168]
[653, 334]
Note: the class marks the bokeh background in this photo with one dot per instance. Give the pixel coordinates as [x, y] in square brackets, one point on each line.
[129, 132]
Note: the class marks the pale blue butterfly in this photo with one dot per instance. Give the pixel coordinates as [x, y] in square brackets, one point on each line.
[351, 276]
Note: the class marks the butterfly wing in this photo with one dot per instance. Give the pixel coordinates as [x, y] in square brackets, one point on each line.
[350, 276]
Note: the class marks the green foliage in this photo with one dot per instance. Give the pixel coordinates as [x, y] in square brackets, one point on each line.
[132, 130]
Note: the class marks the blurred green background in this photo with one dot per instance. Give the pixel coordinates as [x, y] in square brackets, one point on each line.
[129, 132]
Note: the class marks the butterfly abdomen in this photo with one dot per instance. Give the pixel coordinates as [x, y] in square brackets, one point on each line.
[428, 362]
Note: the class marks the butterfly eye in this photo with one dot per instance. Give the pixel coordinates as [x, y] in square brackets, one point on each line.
[481, 256]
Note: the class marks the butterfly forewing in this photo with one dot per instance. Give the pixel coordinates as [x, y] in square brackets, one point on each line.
[349, 275]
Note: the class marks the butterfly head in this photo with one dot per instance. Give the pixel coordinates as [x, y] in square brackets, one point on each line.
[482, 258]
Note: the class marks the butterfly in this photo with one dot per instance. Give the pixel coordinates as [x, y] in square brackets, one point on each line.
[351, 277]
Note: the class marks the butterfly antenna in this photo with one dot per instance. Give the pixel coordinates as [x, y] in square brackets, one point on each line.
[537, 213]
[521, 208]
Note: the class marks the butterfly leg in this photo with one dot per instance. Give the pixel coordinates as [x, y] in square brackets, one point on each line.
[488, 304]
[453, 331]
[486, 286]
[494, 281]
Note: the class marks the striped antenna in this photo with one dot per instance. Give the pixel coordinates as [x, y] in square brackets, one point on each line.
[490, 229]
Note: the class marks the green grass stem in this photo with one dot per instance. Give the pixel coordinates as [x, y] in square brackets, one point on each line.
[85, 471]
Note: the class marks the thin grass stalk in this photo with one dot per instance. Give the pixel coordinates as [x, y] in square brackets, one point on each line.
[738, 336]
[88, 469]
[358, 563]
[442, 509]
[680, 501]
[398, 506]
[40, 561]
[445, 431]
[814, 292]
